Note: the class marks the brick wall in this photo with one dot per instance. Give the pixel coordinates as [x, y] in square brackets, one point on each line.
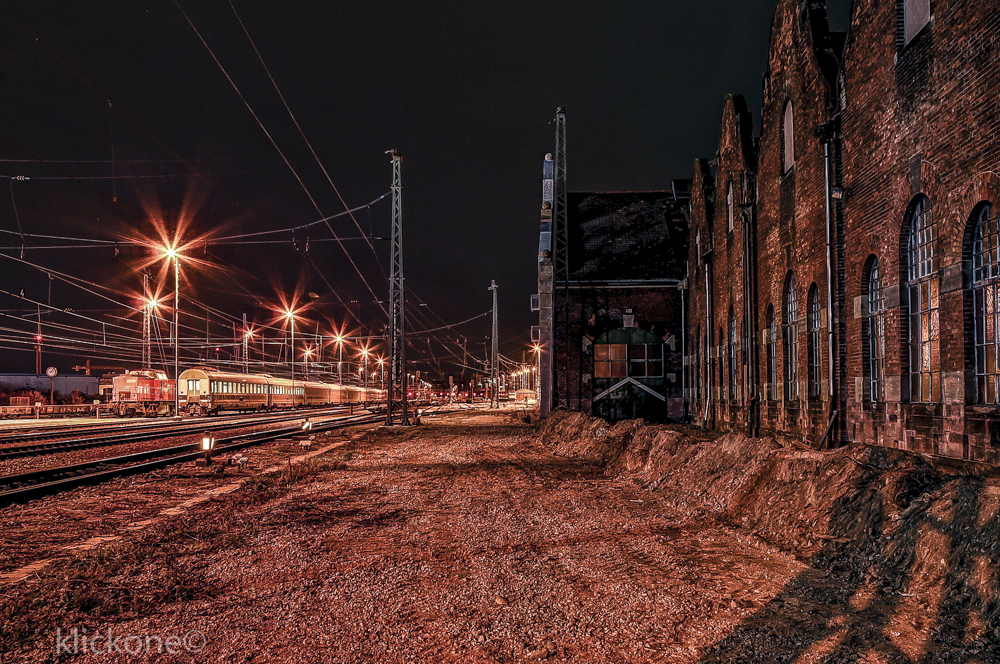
[919, 119]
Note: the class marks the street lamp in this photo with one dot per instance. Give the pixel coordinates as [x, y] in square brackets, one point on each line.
[290, 315]
[364, 353]
[537, 350]
[381, 364]
[340, 358]
[171, 254]
[308, 354]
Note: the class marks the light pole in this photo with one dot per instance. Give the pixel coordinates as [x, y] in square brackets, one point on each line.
[291, 317]
[364, 353]
[538, 371]
[340, 358]
[171, 253]
[381, 364]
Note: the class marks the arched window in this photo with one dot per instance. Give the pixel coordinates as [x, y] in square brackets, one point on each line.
[925, 376]
[788, 139]
[985, 278]
[916, 14]
[730, 211]
[772, 354]
[791, 341]
[876, 334]
[734, 347]
[814, 339]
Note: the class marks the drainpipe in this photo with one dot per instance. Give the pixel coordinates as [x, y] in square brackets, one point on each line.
[827, 137]
[708, 348]
[683, 351]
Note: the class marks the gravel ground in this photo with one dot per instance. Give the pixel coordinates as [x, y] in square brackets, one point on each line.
[41, 528]
[463, 540]
[459, 541]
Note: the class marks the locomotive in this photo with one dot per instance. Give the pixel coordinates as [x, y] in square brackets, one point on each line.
[208, 391]
[143, 393]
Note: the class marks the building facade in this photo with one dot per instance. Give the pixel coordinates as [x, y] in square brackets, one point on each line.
[860, 303]
[610, 321]
[842, 277]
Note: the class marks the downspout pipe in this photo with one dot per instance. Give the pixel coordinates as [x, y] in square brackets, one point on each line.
[826, 131]
[708, 348]
[684, 357]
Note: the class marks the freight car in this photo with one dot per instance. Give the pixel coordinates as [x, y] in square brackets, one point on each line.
[208, 391]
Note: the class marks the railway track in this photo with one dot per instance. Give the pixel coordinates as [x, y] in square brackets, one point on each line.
[132, 436]
[54, 432]
[36, 484]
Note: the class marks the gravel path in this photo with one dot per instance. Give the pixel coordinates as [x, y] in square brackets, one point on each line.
[459, 541]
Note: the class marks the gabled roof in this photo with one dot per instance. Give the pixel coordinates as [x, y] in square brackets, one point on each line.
[628, 236]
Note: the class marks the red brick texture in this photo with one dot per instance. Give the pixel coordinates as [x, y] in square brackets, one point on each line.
[902, 119]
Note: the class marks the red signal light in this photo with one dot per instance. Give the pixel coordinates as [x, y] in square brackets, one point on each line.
[38, 338]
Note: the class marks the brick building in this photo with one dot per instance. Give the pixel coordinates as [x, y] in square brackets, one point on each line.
[614, 316]
[843, 267]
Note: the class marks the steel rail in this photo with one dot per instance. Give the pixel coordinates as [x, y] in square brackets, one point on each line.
[55, 431]
[55, 480]
[38, 449]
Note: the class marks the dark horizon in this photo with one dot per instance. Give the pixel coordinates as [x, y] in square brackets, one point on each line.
[467, 94]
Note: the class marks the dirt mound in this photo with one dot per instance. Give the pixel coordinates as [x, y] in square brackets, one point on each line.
[888, 521]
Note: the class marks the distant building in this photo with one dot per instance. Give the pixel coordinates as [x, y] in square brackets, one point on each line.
[86, 385]
[614, 322]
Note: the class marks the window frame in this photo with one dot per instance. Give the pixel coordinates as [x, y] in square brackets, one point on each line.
[787, 137]
[791, 340]
[985, 298]
[923, 304]
[875, 334]
[814, 341]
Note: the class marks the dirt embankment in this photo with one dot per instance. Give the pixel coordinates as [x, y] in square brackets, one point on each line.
[901, 531]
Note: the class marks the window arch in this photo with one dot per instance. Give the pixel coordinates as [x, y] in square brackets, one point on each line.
[916, 14]
[875, 333]
[787, 139]
[985, 293]
[772, 353]
[814, 339]
[924, 323]
[734, 347]
[791, 344]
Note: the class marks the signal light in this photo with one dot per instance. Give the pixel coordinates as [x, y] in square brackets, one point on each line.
[38, 338]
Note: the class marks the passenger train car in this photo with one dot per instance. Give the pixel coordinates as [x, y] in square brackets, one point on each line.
[205, 390]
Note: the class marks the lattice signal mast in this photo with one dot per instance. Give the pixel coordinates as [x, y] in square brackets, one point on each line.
[560, 241]
[397, 301]
[494, 355]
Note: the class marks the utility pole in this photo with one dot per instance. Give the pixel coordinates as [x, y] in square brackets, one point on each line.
[38, 344]
[397, 298]
[494, 373]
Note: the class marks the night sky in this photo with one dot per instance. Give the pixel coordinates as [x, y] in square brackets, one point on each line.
[466, 91]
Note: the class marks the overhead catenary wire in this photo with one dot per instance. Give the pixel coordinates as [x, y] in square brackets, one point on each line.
[280, 152]
[303, 135]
